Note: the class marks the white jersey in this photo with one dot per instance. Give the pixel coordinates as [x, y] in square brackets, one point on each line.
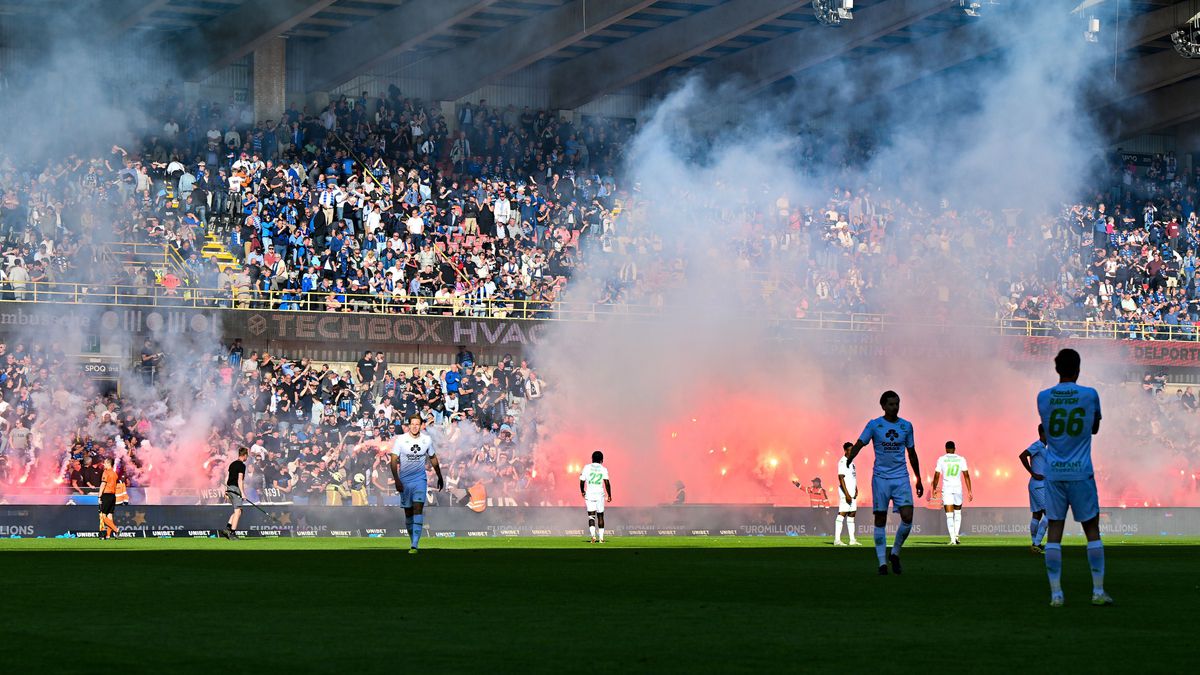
[952, 466]
[593, 477]
[849, 474]
[1037, 462]
[414, 452]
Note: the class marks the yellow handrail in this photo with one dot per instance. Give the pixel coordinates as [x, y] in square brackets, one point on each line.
[155, 254]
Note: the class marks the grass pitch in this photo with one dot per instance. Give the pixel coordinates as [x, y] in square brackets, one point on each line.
[635, 604]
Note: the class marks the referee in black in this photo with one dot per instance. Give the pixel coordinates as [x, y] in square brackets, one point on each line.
[235, 491]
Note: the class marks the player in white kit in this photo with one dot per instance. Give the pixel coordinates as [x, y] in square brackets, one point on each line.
[847, 497]
[1070, 414]
[596, 490]
[951, 472]
[1033, 459]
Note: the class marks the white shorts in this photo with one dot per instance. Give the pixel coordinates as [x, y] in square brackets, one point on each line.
[1037, 498]
[952, 497]
[845, 506]
[594, 504]
[1079, 495]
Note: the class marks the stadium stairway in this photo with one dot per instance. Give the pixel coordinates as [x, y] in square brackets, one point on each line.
[162, 259]
[214, 249]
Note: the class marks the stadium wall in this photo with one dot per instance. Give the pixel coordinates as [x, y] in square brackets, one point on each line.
[459, 521]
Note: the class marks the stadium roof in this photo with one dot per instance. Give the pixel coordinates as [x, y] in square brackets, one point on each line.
[583, 49]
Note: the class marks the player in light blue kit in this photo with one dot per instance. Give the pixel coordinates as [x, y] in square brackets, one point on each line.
[1070, 414]
[1033, 459]
[892, 438]
[410, 451]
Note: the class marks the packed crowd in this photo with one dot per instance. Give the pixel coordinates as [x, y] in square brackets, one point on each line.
[372, 204]
[1134, 266]
[1156, 426]
[310, 428]
[381, 204]
[1122, 265]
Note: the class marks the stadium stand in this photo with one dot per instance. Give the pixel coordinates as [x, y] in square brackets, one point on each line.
[305, 424]
[373, 206]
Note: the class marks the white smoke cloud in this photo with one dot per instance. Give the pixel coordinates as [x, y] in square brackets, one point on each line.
[708, 394]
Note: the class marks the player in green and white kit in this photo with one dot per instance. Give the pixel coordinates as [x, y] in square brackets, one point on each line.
[951, 472]
[596, 490]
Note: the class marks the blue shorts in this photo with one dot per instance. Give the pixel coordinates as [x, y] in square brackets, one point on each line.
[1037, 498]
[413, 492]
[898, 491]
[1080, 495]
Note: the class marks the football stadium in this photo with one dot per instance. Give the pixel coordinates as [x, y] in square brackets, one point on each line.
[634, 335]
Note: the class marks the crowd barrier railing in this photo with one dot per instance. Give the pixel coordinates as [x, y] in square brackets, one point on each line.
[249, 299]
[1101, 330]
[159, 296]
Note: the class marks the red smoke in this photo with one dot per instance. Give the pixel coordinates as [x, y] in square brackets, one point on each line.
[723, 451]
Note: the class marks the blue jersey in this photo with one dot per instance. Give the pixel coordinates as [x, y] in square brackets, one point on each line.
[1068, 412]
[1037, 462]
[413, 452]
[891, 440]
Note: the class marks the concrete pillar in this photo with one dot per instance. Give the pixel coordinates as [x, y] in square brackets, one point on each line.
[191, 93]
[270, 80]
[1187, 139]
[450, 112]
[316, 101]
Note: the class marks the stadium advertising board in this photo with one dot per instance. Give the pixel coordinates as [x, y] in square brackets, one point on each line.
[383, 331]
[52, 319]
[1137, 158]
[450, 521]
[265, 326]
[1143, 352]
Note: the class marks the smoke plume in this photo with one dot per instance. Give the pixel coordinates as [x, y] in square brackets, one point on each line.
[729, 395]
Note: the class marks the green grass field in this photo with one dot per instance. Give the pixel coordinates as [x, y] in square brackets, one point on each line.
[644, 604]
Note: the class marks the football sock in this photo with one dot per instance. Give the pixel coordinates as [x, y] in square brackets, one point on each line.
[950, 524]
[1095, 556]
[602, 534]
[418, 525]
[1041, 533]
[901, 535]
[850, 527]
[408, 523]
[1054, 567]
[592, 530]
[837, 527]
[1034, 525]
[957, 523]
[881, 544]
